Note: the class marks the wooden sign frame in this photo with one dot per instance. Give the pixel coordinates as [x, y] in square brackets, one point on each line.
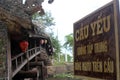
[96, 44]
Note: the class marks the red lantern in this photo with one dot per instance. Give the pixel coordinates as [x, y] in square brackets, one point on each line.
[24, 45]
[41, 41]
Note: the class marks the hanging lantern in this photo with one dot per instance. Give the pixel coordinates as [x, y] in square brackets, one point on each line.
[45, 41]
[24, 45]
[41, 41]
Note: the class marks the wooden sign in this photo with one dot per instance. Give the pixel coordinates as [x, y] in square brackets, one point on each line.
[95, 47]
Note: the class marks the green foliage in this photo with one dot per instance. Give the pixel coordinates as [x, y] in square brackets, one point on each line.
[69, 58]
[56, 45]
[64, 75]
[68, 42]
[56, 63]
[62, 58]
[45, 20]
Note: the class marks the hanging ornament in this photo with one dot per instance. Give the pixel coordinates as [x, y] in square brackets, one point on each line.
[24, 45]
[41, 41]
[45, 41]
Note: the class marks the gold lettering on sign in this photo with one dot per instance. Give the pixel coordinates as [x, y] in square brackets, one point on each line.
[97, 66]
[106, 23]
[77, 65]
[77, 35]
[101, 25]
[89, 48]
[81, 50]
[93, 28]
[108, 66]
[97, 27]
[86, 66]
[100, 47]
[82, 33]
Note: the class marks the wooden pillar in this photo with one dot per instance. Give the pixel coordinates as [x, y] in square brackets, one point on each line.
[5, 53]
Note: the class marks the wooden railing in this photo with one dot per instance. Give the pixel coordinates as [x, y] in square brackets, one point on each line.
[19, 61]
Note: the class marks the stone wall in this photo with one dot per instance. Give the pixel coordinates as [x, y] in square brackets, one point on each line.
[66, 68]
